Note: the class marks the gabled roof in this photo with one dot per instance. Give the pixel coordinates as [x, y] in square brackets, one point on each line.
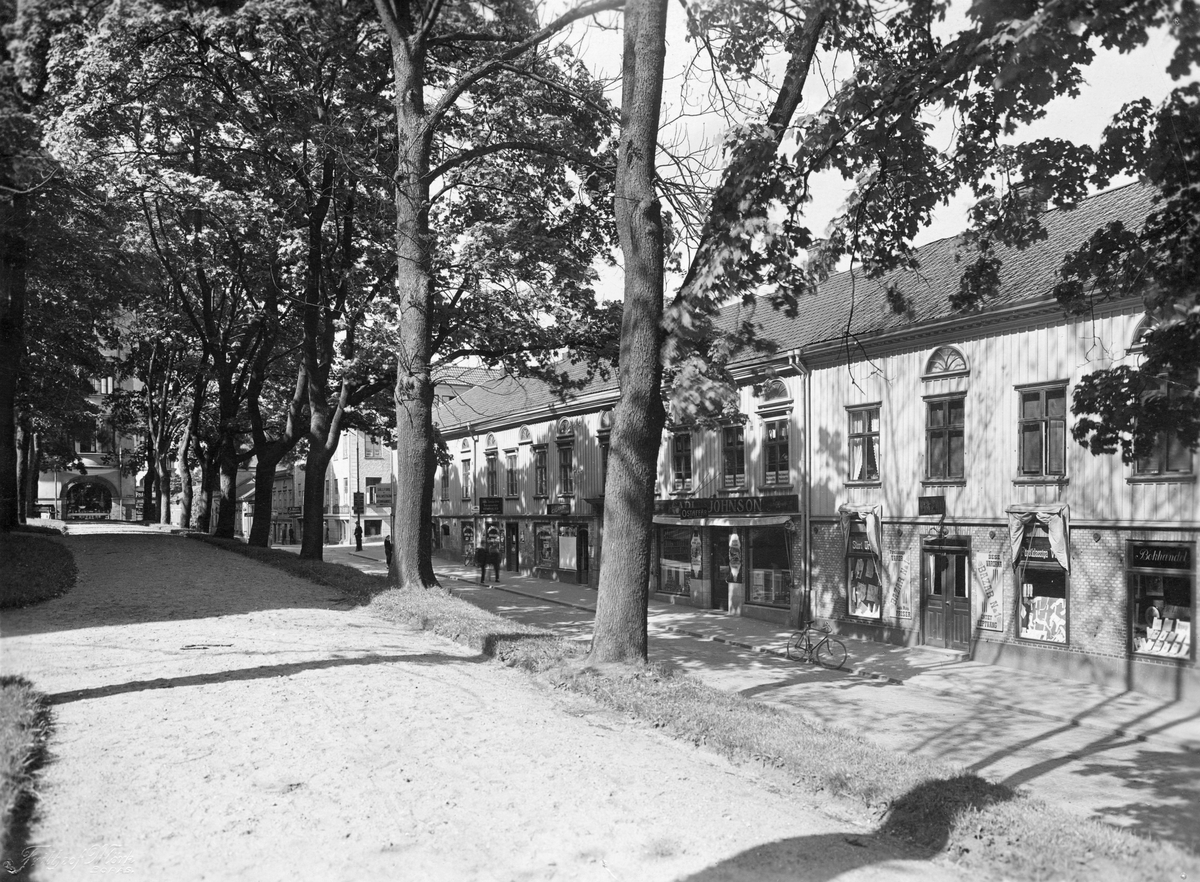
[846, 302]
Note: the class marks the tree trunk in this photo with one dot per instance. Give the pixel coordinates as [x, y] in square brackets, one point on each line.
[164, 490]
[147, 495]
[183, 468]
[203, 513]
[620, 631]
[264, 477]
[14, 218]
[25, 504]
[227, 465]
[312, 529]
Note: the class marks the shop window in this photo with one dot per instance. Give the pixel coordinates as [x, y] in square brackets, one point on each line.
[1042, 590]
[864, 587]
[539, 471]
[445, 482]
[468, 537]
[733, 457]
[681, 462]
[770, 582]
[1162, 598]
[493, 480]
[566, 469]
[1043, 432]
[944, 438]
[372, 527]
[777, 463]
[466, 479]
[864, 444]
[677, 561]
[544, 545]
[567, 549]
[510, 472]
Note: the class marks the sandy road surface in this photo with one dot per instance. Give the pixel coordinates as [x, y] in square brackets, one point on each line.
[217, 719]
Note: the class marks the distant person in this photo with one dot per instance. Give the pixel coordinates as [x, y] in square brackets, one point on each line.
[358, 537]
[387, 550]
[291, 536]
[487, 554]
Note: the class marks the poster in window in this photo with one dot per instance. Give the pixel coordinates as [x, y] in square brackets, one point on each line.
[902, 589]
[991, 617]
[866, 591]
[696, 554]
[1042, 617]
[735, 557]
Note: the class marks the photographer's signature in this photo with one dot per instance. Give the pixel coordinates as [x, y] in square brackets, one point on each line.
[103, 860]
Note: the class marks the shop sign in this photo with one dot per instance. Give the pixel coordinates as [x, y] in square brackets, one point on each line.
[860, 543]
[557, 508]
[735, 556]
[931, 505]
[491, 505]
[383, 494]
[719, 506]
[1035, 548]
[1161, 557]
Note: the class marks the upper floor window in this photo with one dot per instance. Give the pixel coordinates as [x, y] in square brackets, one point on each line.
[103, 385]
[944, 437]
[1167, 456]
[946, 361]
[776, 460]
[539, 471]
[510, 472]
[864, 443]
[493, 478]
[566, 469]
[1043, 431]
[603, 465]
[681, 461]
[372, 449]
[466, 479]
[733, 457]
[445, 482]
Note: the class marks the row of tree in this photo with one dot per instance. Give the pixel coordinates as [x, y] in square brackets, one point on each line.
[306, 205]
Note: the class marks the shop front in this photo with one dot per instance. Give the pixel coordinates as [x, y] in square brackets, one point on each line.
[1162, 596]
[734, 554]
[1039, 536]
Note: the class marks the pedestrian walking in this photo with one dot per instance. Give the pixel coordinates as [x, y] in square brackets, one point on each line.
[387, 550]
[358, 537]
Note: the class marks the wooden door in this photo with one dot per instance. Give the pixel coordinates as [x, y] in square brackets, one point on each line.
[933, 596]
[512, 555]
[946, 598]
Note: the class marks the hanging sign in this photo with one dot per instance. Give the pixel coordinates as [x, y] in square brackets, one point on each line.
[735, 556]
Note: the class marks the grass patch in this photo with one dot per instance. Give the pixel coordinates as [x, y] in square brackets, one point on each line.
[983, 826]
[33, 569]
[24, 727]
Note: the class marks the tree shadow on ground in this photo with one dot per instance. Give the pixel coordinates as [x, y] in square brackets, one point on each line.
[260, 672]
[144, 578]
[920, 825]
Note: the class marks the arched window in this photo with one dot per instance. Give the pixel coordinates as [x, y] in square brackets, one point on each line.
[946, 361]
[524, 435]
[566, 428]
[773, 390]
[490, 444]
[1138, 338]
[465, 447]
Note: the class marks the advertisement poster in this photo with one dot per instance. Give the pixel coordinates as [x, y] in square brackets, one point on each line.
[991, 617]
[735, 556]
[696, 554]
[903, 588]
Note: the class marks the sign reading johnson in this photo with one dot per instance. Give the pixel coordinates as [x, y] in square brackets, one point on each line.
[726, 506]
[1160, 557]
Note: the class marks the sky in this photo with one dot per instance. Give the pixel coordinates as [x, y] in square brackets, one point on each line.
[1110, 81]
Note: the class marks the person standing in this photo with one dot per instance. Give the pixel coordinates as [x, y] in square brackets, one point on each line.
[387, 550]
[358, 537]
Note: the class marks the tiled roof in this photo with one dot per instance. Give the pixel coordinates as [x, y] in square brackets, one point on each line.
[849, 302]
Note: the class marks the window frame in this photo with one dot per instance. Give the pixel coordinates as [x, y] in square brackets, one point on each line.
[446, 483]
[873, 436]
[1044, 423]
[466, 479]
[492, 473]
[946, 431]
[1162, 453]
[733, 478]
[540, 466]
[566, 469]
[777, 449]
[511, 474]
[682, 480]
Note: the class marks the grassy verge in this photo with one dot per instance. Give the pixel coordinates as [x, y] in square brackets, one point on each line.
[33, 568]
[983, 826]
[24, 726]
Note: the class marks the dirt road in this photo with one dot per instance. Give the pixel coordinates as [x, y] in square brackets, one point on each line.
[218, 719]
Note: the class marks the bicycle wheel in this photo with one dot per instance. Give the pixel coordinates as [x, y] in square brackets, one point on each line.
[797, 648]
[831, 653]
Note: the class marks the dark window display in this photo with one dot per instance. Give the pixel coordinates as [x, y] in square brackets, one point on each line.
[864, 587]
[1042, 614]
[544, 545]
[1162, 594]
[675, 560]
[770, 582]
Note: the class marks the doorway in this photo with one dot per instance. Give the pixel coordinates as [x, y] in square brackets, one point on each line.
[512, 544]
[583, 563]
[727, 565]
[946, 596]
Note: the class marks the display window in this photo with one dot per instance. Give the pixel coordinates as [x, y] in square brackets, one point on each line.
[543, 538]
[770, 582]
[675, 559]
[863, 583]
[567, 551]
[1162, 598]
[1042, 596]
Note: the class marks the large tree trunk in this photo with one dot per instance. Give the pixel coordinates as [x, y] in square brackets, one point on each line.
[204, 502]
[183, 468]
[227, 466]
[620, 632]
[312, 530]
[14, 219]
[25, 445]
[264, 477]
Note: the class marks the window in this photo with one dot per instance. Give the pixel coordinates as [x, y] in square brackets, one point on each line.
[1167, 457]
[733, 457]
[445, 482]
[770, 567]
[370, 485]
[944, 439]
[493, 479]
[539, 471]
[864, 588]
[103, 385]
[1162, 598]
[1042, 600]
[775, 453]
[678, 559]
[466, 479]
[372, 448]
[681, 462]
[510, 472]
[566, 469]
[603, 465]
[543, 546]
[864, 444]
[1044, 432]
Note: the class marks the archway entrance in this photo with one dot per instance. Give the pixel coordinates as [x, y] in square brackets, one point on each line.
[87, 500]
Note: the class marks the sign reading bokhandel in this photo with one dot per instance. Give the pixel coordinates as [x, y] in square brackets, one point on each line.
[1161, 557]
[726, 506]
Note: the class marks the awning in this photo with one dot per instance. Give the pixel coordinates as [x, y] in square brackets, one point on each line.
[767, 521]
[1054, 516]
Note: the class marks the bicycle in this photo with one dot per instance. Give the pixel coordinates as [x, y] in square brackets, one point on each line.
[817, 645]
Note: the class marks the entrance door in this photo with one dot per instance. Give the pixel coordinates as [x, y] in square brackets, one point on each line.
[583, 563]
[512, 555]
[946, 597]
